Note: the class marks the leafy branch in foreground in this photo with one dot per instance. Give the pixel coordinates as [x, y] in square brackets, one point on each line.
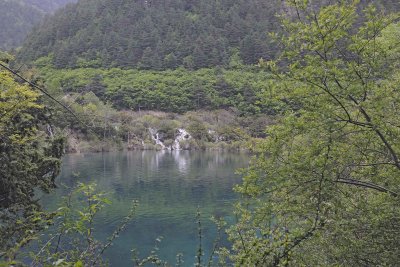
[70, 241]
[29, 162]
[323, 190]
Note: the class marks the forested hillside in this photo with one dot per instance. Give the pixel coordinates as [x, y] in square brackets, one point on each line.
[154, 34]
[170, 56]
[175, 91]
[318, 112]
[21, 16]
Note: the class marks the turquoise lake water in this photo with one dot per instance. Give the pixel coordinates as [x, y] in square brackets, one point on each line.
[169, 186]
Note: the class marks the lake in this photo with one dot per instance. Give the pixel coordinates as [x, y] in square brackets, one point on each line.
[169, 185]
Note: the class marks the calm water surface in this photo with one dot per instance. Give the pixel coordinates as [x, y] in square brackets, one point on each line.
[169, 187]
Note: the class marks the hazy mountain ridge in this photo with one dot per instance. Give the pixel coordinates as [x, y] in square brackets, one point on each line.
[48, 5]
[17, 17]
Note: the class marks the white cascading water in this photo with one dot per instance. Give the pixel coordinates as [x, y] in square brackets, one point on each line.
[181, 135]
[156, 137]
[50, 130]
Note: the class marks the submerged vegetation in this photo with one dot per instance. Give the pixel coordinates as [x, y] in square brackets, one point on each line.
[320, 114]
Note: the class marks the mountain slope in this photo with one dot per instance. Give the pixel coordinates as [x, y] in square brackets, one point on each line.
[155, 34]
[17, 17]
[48, 6]
[160, 34]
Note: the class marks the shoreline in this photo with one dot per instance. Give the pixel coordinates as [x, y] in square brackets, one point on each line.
[222, 147]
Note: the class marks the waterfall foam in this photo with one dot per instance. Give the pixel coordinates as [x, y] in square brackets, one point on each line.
[181, 135]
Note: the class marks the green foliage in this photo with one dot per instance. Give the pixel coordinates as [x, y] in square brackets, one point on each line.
[70, 241]
[103, 128]
[166, 130]
[198, 130]
[170, 91]
[323, 190]
[5, 57]
[29, 160]
[132, 130]
[155, 34]
[160, 34]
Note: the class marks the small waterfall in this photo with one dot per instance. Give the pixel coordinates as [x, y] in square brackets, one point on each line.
[181, 135]
[156, 137]
[50, 130]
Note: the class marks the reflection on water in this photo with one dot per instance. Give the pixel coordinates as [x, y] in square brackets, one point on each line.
[169, 186]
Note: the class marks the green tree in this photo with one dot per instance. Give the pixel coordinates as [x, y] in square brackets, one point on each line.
[170, 61]
[235, 62]
[198, 130]
[29, 161]
[188, 62]
[324, 188]
[97, 87]
[204, 31]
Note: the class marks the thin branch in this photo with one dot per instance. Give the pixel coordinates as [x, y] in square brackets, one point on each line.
[379, 133]
[367, 185]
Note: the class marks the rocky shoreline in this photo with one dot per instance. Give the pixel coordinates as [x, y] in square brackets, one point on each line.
[77, 143]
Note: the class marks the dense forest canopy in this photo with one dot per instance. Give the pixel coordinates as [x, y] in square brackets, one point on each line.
[155, 34]
[159, 34]
[176, 91]
[322, 189]
[21, 16]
